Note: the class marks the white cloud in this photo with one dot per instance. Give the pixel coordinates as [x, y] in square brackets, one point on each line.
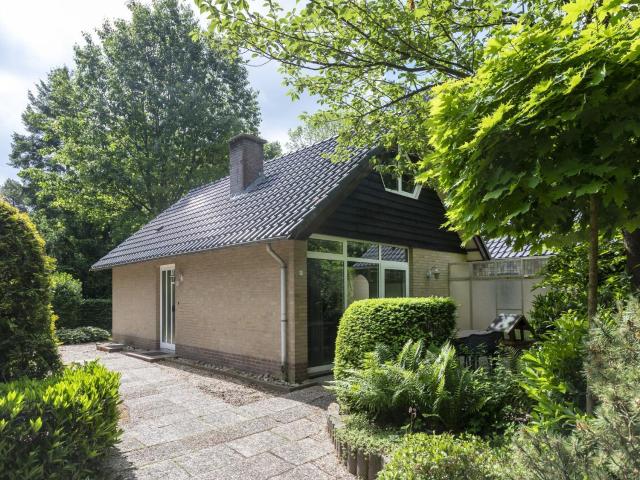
[39, 35]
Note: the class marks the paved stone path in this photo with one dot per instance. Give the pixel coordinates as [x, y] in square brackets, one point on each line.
[180, 422]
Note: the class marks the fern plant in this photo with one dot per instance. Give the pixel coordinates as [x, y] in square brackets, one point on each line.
[422, 386]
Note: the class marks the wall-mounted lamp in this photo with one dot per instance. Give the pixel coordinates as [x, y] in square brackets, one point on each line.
[179, 277]
[433, 273]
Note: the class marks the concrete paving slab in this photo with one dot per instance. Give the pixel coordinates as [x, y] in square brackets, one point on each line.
[186, 423]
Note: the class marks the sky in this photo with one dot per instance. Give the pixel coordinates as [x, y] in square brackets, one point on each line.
[39, 35]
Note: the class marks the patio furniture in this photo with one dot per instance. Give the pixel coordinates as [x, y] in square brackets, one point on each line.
[474, 345]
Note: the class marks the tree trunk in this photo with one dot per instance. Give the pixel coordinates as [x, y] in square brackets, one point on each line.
[632, 247]
[592, 291]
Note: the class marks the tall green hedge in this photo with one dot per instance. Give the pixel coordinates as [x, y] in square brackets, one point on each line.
[391, 321]
[96, 312]
[27, 345]
[67, 298]
[61, 427]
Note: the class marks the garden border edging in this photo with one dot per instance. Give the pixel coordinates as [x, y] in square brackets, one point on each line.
[365, 466]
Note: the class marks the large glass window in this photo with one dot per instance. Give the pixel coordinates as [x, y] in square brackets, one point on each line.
[339, 272]
[325, 300]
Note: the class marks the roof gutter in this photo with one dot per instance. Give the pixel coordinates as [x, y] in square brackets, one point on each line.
[283, 310]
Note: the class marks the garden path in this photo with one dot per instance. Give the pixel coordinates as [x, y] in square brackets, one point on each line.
[181, 422]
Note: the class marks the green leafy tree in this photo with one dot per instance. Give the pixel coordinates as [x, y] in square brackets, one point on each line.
[541, 144]
[75, 242]
[13, 192]
[371, 64]
[314, 129]
[272, 150]
[565, 278]
[153, 109]
[142, 116]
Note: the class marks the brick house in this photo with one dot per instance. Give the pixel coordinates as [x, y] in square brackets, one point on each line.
[254, 270]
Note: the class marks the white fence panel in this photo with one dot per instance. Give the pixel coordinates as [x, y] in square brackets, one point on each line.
[482, 290]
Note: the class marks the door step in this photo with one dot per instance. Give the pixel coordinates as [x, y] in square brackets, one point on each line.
[110, 347]
[151, 355]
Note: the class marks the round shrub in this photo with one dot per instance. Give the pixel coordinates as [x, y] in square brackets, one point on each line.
[67, 299]
[441, 457]
[27, 345]
[391, 321]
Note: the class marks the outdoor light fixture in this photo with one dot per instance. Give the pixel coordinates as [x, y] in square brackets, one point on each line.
[434, 273]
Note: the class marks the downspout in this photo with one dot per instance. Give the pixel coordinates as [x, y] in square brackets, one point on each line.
[283, 310]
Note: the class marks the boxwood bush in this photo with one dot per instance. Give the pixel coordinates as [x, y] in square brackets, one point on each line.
[61, 427]
[391, 321]
[70, 336]
[27, 345]
[441, 457]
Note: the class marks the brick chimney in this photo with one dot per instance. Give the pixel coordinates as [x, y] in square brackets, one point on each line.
[246, 158]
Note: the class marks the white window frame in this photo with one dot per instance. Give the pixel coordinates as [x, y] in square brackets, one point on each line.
[399, 191]
[163, 345]
[343, 257]
[383, 264]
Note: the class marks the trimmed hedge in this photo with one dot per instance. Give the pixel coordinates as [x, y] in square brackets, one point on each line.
[27, 345]
[441, 457]
[391, 321]
[61, 427]
[67, 298]
[70, 336]
[96, 312]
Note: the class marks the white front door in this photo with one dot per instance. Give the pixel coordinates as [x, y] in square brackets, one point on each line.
[167, 307]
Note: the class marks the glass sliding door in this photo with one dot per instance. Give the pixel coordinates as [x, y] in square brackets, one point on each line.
[167, 307]
[325, 302]
[339, 272]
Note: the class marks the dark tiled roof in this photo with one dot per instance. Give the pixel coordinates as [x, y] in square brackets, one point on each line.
[208, 217]
[498, 248]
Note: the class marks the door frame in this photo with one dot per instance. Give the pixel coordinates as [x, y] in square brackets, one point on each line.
[164, 345]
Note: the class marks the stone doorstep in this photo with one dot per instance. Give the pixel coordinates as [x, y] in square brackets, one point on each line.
[150, 355]
[110, 347]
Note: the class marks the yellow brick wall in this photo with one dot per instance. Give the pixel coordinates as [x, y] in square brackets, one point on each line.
[135, 292]
[421, 261]
[228, 301]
